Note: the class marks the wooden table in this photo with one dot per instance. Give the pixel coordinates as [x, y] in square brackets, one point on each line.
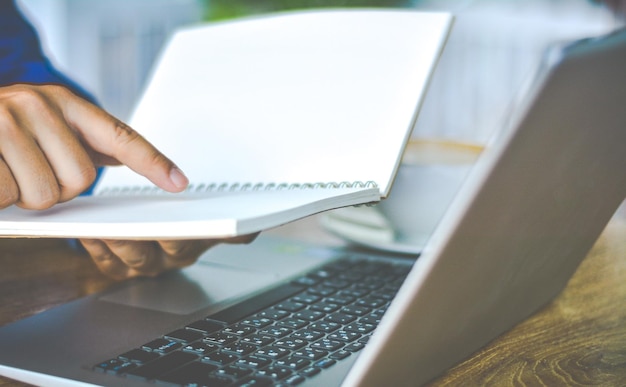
[579, 339]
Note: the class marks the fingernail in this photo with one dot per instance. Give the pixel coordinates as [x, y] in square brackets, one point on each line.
[136, 261]
[178, 178]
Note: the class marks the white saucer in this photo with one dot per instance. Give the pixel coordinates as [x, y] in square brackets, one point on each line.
[368, 227]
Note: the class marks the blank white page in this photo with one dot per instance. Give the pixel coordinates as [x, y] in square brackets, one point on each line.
[313, 96]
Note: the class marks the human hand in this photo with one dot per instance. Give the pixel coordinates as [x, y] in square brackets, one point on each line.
[127, 259]
[51, 142]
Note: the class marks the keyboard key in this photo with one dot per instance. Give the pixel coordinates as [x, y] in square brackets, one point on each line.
[291, 343]
[294, 380]
[194, 373]
[258, 340]
[324, 326]
[386, 296]
[308, 315]
[184, 335]
[325, 363]
[336, 283]
[234, 371]
[354, 347]
[323, 273]
[355, 310]
[323, 291]
[387, 293]
[307, 335]
[161, 345]
[345, 336]
[293, 362]
[373, 320]
[221, 338]
[290, 306]
[372, 284]
[162, 365]
[292, 323]
[254, 361]
[115, 366]
[327, 344]
[139, 356]
[255, 381]
[275, 372]
[306, 281]
[260, 322]
[239, 349]
[273, 313]
[276, 331]
[350, 276]
[371, 302]
[325, 307]
[220, 358]
[206, 326]
[310, 353]
[339, 355]
[306, 298]
[200, 348]
[354, 292]
[239, 330]
[340, 299]
[359, 327]
[340, 318]
[273, 352]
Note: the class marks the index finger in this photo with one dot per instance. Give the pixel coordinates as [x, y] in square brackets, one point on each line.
[109, 136]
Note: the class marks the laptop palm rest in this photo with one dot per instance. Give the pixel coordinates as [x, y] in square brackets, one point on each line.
[221, 276]
[190, 290]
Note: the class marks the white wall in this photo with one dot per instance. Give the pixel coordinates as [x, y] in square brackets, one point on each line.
[108, 46]
[495, 46]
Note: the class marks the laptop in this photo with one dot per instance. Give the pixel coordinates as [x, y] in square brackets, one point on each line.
[279, 312]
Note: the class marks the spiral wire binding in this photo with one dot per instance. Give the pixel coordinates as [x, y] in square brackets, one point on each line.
[234, 187]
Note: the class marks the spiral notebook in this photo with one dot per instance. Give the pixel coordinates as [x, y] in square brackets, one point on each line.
[272, 118]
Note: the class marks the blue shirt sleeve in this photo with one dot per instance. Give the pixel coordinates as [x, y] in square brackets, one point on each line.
[22, 59]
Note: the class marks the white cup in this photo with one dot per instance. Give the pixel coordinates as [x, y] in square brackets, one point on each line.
[431, 173]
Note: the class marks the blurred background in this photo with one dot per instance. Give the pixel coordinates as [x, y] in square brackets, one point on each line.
[110, 46]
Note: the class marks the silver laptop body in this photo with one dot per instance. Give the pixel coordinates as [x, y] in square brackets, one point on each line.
[532, 208]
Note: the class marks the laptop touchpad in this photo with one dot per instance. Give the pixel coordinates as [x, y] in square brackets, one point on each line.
[191, 289]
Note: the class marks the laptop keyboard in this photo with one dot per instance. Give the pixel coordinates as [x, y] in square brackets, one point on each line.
[281, 337]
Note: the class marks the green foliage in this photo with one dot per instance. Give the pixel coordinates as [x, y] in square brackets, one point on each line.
[227, 9]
